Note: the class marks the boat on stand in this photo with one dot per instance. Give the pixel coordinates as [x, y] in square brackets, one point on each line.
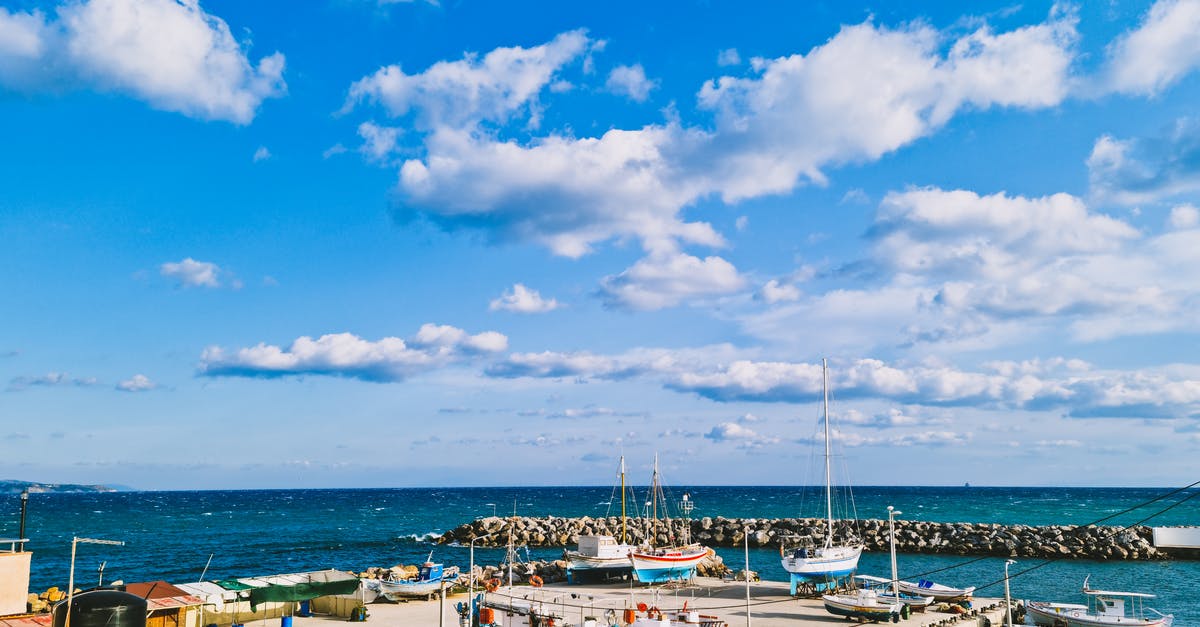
[1104, 608]
[429, 582]
[653, 564]
[602, 556]
[823, 565]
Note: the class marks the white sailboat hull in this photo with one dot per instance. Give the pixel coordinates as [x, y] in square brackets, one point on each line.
[1073, 615]
[822, 563]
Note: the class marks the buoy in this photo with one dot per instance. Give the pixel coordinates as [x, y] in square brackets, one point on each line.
[536, 581]
[492, 585]
[630, 616]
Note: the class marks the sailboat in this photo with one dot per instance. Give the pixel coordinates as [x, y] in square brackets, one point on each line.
[823, 564]
[601, 555]
[660, 564]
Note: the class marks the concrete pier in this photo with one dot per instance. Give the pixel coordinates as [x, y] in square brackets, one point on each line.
[770, 606]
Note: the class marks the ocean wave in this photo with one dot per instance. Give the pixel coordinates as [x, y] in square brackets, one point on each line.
[423, 537]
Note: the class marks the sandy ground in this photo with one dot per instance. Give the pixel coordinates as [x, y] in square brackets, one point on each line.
[770, 606]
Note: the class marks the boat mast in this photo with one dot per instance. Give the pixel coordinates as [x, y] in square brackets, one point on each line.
[654, 498]
[828, 486]
[622, 499]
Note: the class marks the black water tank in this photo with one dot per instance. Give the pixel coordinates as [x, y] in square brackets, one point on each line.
[103, 608]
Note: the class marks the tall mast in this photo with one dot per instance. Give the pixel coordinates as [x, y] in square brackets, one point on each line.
[828, 485]
[654, 498]
[622, 499]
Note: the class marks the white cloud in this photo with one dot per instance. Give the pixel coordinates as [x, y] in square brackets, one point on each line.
[1160, 51]
[192, 273]
[564, 193]
[136, 383]
[745, 438]
[262, 154]
[1144, 170]
[669, 278]
[1184, 217]
[776, 292]
[24, 39]
[716, 373]
[729, 56]
[869, 91]
[630, 81]
[771, 131]
[170, 54]
[521, 299]
[378, 141]
[347, 355]
[462, 93]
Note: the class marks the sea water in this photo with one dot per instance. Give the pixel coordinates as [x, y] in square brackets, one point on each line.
[173, 535]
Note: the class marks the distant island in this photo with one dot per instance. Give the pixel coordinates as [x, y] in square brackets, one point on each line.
[12, 486]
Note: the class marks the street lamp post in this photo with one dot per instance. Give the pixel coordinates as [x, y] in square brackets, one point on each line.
[892, 513]
[1007, 596]
[71, 579]
[471, 580]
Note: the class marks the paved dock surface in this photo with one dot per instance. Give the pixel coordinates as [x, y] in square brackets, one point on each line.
[770, 606]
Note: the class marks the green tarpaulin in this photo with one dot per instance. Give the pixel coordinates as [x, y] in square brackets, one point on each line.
[232, 584]
[301, 591]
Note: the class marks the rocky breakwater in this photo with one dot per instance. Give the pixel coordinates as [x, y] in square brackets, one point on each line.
[1091, 542]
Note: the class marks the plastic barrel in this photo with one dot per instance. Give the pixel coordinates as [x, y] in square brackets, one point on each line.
[305, 609]
[285, 621]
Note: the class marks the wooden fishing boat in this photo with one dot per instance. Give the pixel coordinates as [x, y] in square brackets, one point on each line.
[601, 555]
[653, 564]
[864, 604]
[428, 583]
[940, 593]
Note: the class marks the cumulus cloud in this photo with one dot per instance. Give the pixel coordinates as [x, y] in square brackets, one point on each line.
[459, 94]
[136, 383]
[630, 81]
[389, 359]
[192, 273]
[729, 56]
[1142, 170]
[667, 279]
[956, 268]
[262, 154]
[1160, 51]
[521, 299]
[1184, 217]
[170, 54]
[744, 437]
[771, 131]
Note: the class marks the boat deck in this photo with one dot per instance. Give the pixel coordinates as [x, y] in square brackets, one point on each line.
[770, 606]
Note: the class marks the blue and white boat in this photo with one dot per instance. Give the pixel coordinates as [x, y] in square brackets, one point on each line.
[662, 564]
[823, 564]
[429, 582]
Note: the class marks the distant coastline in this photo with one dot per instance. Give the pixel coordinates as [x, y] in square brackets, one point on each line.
[13, 486]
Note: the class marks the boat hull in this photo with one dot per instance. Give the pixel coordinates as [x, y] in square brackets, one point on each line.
[396, 590]
[855, 607]
[670, 566]
[821, 565]
[940, 593]
[1073, 615]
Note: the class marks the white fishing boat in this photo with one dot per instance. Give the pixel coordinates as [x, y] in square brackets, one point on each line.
[652, 564]
[601, 555]
[1104, 608]
[883, 589]
[864, 604]
[429, 582]
[939, 592]
[825, 563]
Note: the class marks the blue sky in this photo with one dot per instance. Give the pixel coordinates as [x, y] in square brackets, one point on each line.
[357, 243]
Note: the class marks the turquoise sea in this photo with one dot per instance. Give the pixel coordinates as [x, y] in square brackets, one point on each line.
[170, 535]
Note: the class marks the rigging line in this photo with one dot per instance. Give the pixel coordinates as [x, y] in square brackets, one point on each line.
[1117, 531]
[1078, 527]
